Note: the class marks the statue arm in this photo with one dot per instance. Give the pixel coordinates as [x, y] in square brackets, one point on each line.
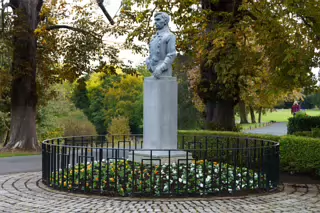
[148, 64]
[171, 55]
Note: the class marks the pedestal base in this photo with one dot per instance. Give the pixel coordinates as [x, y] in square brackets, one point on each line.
[160, 113]
[160, 157]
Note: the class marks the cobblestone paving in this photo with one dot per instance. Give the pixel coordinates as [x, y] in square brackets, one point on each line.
[24, 192]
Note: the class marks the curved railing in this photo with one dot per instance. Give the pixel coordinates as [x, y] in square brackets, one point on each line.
[203, 165]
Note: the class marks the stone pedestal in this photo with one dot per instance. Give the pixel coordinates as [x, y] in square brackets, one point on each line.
[160, 121]
[160, 113]
[161, 157]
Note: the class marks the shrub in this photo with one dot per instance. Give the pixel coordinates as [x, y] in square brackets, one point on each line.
[300, 154]
[77, 124]
[303, 133]
[315, 132]
[119, 126]
[303, 123]
[297, 154]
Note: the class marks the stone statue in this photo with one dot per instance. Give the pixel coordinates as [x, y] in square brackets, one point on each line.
[162, 48]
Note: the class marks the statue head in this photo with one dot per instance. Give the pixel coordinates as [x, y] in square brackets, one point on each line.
[161, 20]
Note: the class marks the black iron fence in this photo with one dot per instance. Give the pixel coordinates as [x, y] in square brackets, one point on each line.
[202, 165]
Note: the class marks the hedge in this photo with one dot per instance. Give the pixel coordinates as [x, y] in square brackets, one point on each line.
[297, 154]
[303, 123]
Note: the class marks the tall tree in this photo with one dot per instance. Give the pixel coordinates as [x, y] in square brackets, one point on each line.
[38, 48]
[232, 41]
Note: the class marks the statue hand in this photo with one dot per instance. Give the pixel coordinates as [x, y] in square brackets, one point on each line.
[157, 73]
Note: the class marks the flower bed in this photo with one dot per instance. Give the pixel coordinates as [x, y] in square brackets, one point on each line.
[126, 178]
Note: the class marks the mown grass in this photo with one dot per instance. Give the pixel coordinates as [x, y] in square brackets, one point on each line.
[281, 115]
[16, 154]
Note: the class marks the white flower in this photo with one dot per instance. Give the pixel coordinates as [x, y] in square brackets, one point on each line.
[88, 163]
[208, 178]
[95, 162]
[180, 180]
[201, 185]
[103, 160]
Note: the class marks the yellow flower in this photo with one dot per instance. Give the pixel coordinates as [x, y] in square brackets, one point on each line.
[111, 179]
[215, 163]
[82, 170]
[97, 178]
[65, 184]
[87, 184]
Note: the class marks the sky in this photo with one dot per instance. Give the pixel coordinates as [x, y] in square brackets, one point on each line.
[112, 7]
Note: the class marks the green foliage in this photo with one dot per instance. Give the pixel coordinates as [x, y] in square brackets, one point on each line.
[76, 124]
[125, 98]
[314, 99]
[300, 154]
[314, 133]
[240, 48]
[88, 95]
[119, 126]
[226, 133]
[297, 154]
[189, 116]
[59, 117]
[124, 177]
[303, 122]
[303, 133]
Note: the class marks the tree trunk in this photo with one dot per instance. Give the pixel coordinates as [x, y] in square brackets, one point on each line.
[6, 138]
[243, 113]
[253, 117]
[220, 115]
[219, 108]
[260, 113]
[23, 91]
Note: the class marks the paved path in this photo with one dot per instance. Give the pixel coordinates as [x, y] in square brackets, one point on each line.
[24, 192]
[20, 164]
[273, 129]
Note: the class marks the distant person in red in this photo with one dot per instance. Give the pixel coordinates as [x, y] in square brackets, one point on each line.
[295, 108]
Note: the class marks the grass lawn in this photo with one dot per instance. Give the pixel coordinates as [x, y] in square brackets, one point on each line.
[15, 154]
[281, 115]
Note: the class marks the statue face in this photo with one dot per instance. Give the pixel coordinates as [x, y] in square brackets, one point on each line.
[159, 22]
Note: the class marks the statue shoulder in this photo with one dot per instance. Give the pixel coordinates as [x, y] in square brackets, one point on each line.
[170, 35]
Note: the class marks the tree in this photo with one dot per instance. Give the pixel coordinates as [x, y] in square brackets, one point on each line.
[125, 98]
[37, 50]
[231, 41]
